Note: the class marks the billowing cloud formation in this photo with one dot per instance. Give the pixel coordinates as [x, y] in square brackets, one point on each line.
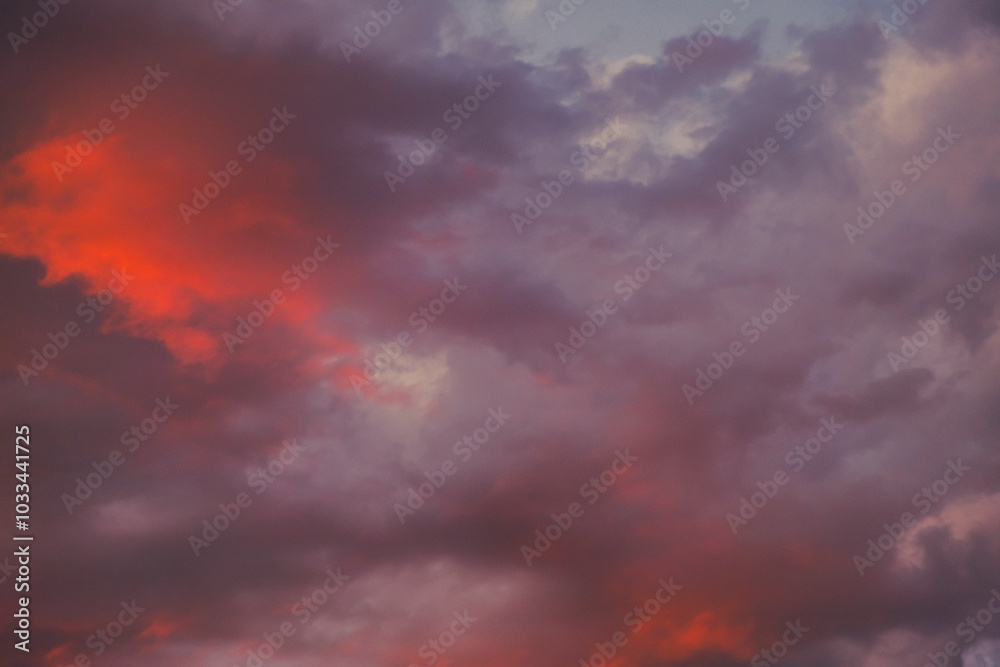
[394, 334]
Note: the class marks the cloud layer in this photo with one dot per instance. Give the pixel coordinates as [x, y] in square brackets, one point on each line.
[445, 352]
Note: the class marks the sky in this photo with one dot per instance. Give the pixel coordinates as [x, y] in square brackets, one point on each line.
[514, 333]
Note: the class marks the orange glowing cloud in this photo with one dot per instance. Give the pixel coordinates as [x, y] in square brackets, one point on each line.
[117, 210]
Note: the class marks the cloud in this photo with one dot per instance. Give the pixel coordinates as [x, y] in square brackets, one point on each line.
[302, 270]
